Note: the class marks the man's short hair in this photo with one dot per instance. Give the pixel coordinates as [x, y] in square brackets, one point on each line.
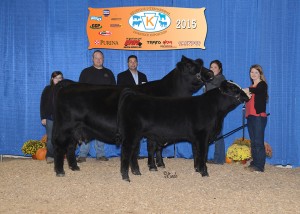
[132, 56]
[98, 51]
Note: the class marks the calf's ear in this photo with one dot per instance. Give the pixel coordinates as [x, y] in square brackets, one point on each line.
[224, 83]
[184, 59]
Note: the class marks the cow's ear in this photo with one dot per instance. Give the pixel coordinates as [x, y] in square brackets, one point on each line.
[199, 62]
[184, 59]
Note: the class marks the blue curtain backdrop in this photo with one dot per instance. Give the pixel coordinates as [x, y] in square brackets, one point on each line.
[38, 37]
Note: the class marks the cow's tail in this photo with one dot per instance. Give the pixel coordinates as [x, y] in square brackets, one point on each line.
[124, 94]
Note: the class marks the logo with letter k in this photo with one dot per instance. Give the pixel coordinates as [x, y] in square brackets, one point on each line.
[149, 20]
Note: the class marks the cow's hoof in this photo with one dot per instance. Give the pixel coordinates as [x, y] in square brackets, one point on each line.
[75, 168]
[136, 172]
[125, 178]
[204, 174]
[161, 165]
[60, 174]
[152, 169]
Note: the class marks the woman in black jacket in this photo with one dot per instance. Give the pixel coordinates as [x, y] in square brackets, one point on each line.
[257, 117]
[46, 111]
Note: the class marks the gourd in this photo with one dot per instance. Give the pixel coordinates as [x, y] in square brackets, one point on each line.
[41, 154]
[228, 160]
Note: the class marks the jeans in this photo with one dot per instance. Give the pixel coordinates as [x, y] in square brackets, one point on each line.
[50, 150]
[85, 148]
[219, 155]
[256, 129]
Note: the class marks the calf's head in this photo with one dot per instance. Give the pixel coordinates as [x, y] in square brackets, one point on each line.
[232, 89]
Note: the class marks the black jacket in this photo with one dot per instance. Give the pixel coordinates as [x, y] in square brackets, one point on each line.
[46, 104]
[126, 78]
[260, 100]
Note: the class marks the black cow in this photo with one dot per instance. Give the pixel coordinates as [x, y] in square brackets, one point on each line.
[84, 112]
[196, 119]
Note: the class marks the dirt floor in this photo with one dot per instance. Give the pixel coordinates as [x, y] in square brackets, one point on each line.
[30, 186]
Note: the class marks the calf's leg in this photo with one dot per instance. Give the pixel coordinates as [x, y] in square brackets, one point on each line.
[71, 156]
[59, 152]
[159, 158]
[125, 157]
[135, 169]
[196, 157]
[151, 147]
[203, 147]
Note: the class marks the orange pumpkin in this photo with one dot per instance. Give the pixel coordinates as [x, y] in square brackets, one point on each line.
[41, 154]
[228, 160]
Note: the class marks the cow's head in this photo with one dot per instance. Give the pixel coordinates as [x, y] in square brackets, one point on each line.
[193, 74]
[232, 89]
[195, 67]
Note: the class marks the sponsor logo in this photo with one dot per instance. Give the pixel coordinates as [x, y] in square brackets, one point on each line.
[96, 18]
[149, 21]
[154, 42]
[106, 13]
[115, 25]
[167, 44]
[189, 43]
[115, 19]
[106, 42]
[133, 43]
[95, 26]
[105, 33]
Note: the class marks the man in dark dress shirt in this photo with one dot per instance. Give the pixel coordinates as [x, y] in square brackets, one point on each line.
[131, 76]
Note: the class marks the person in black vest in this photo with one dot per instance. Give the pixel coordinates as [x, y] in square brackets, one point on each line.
[131, 76]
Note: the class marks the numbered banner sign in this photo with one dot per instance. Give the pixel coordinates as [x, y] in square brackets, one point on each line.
[146, 28]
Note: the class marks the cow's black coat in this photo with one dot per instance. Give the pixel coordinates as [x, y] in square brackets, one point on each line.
[84, 112]
[194, 119]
